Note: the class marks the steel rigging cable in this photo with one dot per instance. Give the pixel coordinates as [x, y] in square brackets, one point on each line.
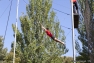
[8, 20]
[4, 11]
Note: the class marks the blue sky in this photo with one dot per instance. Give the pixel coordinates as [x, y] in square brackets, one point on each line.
[61, 5]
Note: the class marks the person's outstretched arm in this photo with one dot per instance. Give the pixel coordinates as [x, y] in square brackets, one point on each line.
[43, 27]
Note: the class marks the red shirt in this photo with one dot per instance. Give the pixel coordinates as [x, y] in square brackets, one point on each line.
[73, 0]
[48, 33]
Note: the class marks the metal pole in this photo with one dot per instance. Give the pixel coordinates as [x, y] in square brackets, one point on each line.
[15, 31]
[73, 40]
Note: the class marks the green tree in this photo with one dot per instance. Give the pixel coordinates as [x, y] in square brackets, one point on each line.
[6, 57]
[3, 51]
[84, 54]
[82, 30]
[33, 45]
[67, 59]
[87, 10]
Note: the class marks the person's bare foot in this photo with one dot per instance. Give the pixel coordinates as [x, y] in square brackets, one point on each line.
[63, 43]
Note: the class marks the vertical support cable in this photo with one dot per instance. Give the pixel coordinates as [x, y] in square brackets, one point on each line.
[7, 20]
[15, 31]
[73, 40]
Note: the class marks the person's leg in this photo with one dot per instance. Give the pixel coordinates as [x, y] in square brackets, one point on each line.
[58, 40]
[76, 7]
[55, 39]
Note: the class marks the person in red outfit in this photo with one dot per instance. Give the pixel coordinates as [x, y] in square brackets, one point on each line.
[51, 35]
[75, 4]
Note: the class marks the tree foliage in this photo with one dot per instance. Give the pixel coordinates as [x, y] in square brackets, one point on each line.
[33, 45]
[3, 51]
[84, 54]
[87, 10]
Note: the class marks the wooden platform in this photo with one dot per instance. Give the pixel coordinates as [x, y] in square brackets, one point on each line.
[76, 20]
